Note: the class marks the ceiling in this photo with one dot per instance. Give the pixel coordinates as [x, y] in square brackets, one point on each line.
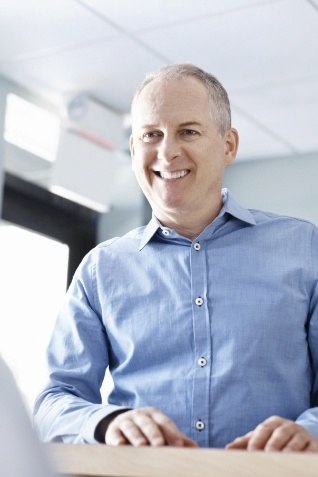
[265, 52]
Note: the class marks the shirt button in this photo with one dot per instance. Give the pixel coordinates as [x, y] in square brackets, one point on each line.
[199, 301]
[197, 246]
[165, 232]
[200, 425]
[202, 362]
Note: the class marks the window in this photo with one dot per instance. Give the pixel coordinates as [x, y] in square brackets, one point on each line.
[43, 239]
[33, 277]
[31, 128]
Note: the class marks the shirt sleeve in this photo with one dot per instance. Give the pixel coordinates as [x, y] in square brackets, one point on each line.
[70, 406]
[309, 418]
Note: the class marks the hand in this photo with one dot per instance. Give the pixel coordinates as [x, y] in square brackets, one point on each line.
[276, 434]
[145, 427]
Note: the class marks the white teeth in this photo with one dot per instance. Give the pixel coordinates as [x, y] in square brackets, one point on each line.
[173, 175]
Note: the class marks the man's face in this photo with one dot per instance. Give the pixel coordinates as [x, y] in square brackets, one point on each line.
[178, 155]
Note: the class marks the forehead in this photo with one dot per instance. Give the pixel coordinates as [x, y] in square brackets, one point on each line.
[171, 99]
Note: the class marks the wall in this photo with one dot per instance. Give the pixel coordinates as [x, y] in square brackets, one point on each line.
[118, 221]
[2, 112]
[286, 185]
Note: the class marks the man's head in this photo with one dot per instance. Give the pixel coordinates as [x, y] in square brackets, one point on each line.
[219, 100]
[181, 143]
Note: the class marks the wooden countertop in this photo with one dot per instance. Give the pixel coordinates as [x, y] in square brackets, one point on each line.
[102, 461]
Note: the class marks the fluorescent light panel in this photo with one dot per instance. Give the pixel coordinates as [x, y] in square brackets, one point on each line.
[31, 128]
[80, 199]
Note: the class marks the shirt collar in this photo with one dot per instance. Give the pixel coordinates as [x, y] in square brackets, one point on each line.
[149, 231]
[230, 206]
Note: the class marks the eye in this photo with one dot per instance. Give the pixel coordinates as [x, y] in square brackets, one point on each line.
[189, 133]
[151, 136]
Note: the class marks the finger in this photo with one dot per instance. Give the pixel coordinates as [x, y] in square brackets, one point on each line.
[283, 435]
[124, 431]
[114, 437]
[302, 441]
[146, 426]
[178, 439]
[240, 442]
[172, 435]
[139, 427]
[312, 446]
[290, 436]
[187, 442]
[132, 432]
[297, 443]
[150, 429]
[263, 433]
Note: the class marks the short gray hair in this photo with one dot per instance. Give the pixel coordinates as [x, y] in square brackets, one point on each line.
[220, 104]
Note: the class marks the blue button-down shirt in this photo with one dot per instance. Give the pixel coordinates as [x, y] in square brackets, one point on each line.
[220, 332]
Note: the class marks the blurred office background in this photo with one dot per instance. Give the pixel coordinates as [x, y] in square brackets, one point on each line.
[68, 70]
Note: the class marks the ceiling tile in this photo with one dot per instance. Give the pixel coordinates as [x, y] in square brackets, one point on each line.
[278, 41]
[104, 70]
[145, 15]
[255, 142]
[288, 109]
[32, 27]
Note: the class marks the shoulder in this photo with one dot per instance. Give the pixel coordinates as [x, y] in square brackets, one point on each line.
[285, 232]
[106, 256]
[127, 243]
[130, 239]
[281, 220]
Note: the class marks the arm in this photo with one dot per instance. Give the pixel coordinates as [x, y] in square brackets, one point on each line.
[309, 418]
[276, 433]
[70, 408]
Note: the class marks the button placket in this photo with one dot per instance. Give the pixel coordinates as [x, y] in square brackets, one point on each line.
[202, 344]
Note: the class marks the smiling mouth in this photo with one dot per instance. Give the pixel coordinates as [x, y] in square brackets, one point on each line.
[168, 176]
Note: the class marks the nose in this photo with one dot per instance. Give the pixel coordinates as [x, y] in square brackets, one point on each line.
[168, 148]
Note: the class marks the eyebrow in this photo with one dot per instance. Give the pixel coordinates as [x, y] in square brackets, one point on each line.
[182, 125]
[148, 126]
[190, 123]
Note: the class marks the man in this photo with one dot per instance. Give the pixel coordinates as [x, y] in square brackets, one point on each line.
[20, 453]
[207, 317]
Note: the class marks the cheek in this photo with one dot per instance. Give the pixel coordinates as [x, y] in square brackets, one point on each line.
[143, 161]
[141, 171]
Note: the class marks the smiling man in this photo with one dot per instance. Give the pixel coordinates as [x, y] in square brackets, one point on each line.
[179, 152]
[207, 318]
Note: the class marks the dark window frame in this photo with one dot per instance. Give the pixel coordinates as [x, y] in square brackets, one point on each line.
[35, 208]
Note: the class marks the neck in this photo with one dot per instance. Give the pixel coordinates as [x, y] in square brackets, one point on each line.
[188, 224]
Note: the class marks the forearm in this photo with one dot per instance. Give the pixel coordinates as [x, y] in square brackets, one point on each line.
[63, 417]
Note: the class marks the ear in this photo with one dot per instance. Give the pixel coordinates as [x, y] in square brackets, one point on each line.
[132, 150]
[231, 143]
